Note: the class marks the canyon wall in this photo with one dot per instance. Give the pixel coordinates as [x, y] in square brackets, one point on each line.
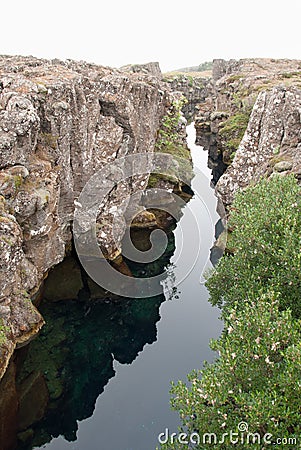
[250, 124]
[59, 123]
[271, 144]
[195, 88]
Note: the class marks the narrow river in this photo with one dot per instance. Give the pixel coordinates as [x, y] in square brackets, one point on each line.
[133, 407]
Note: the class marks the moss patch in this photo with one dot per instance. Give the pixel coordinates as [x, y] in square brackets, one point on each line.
[231, 132]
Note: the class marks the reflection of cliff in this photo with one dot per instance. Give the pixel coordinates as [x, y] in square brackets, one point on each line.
[71, 361]
[75, 351]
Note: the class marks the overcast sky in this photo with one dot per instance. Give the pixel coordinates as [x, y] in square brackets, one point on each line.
[176, 33]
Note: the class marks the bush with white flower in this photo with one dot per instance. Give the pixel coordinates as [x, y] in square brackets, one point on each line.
[256, 378]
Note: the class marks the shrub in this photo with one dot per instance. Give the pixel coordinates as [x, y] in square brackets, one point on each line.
[255, 380]
[207, 65]
[266, 223]
[3, 331]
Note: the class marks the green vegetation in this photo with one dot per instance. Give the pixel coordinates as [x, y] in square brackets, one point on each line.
[232, 131]
[168, 142]
[235, 125]
[190, 80]
[18, 181]
[235, 77]
[5, 239]
[290, 74]
[256, 378]
[168, 137]
[266, 223]
[3, 330]
[207, 65]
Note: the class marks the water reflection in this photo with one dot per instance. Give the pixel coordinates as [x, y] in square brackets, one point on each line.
[73, 358]
[75, 354]
[87, 341]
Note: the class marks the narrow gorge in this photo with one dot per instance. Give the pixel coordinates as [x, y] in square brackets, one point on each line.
[60, 123]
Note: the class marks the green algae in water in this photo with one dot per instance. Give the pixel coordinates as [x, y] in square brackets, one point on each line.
[74, 351]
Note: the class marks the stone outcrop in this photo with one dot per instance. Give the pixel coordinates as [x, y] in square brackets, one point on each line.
[60, 122]
[271, 143]
[195, 89]
[8, 409]
[251, 120]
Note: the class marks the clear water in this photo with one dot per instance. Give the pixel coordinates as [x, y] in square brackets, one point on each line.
[146, 346]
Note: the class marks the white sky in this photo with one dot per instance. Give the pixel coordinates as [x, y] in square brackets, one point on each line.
[175, 33]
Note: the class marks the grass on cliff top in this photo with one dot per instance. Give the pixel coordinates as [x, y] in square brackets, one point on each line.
[185, 165]
[176, 73]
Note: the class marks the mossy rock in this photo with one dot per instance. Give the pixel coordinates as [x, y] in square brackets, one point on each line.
[283, 166]
[144, 219]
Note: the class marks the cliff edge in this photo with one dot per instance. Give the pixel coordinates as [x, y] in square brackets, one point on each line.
[250, 122]
[59, 123]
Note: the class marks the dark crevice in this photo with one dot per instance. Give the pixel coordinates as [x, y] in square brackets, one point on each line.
[108, 109]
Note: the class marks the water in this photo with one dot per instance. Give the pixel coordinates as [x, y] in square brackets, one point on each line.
[143, 345]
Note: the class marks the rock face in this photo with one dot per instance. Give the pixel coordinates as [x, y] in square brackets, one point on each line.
[251, 120]
[271, 144]
[8, 409]
[194, 88]
[59, 123]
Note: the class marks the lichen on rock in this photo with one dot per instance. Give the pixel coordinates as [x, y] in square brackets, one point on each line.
[238, 87]
[60, 123]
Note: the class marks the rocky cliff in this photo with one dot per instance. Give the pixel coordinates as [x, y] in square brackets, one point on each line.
[59, 123]
[271, 144]
[195, 87]
[251, 121]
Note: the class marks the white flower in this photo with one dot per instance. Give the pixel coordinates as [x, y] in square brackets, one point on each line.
[256, 357]
[257, 340]
[275, 345]
[233, 355]
[267, 360]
